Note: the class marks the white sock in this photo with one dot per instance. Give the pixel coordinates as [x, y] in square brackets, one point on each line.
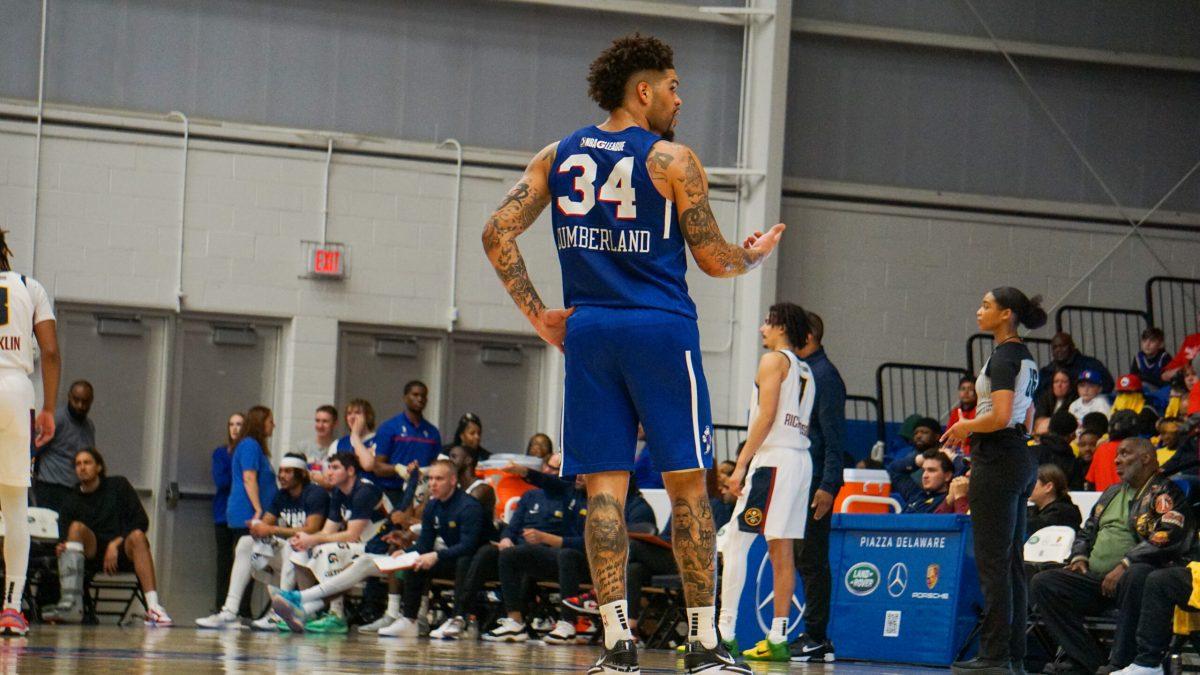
[779, 629]
[239, 576]
[152, 598]
[615, 616]
[313, 606]
[337, 606]
[14, 502]
[701, 626]
[393, 604]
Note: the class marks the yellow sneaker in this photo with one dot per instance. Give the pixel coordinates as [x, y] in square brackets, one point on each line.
[766, 650]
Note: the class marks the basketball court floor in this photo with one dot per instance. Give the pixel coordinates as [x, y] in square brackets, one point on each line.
[111, 649]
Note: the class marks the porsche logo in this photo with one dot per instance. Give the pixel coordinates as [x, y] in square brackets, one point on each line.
[753, 517]
[931, 575]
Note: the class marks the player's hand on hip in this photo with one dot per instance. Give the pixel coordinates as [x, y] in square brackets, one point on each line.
[765, 243]
[551, 326]
[44, 424]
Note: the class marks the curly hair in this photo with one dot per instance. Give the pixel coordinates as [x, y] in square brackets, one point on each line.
[627, 55]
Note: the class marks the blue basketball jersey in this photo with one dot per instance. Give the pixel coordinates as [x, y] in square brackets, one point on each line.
[618, 239]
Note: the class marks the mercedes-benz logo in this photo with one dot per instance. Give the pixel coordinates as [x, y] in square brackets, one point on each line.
[897, 580]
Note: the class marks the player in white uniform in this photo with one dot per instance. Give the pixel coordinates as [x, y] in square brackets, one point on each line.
[775, 459]
[25, 315]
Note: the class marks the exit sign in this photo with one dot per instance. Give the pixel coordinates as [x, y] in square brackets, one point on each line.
[324, 260]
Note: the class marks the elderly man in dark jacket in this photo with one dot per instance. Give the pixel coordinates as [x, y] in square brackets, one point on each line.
[1139, 525]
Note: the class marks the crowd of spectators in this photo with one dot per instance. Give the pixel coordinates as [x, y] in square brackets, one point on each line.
[1134, 440]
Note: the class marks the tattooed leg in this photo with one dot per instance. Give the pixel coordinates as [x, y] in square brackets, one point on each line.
[693, 536]
[605, 535]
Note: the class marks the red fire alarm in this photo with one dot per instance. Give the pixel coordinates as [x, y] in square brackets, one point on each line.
[324, 260]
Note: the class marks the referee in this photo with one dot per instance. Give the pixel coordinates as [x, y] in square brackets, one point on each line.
[827, 435]
[1002, 475]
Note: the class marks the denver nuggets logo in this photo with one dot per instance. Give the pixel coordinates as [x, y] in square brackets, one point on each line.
[753, 517]
[931, 575]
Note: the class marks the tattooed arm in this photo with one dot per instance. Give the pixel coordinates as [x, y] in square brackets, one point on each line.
[677, 173]
[520, 207]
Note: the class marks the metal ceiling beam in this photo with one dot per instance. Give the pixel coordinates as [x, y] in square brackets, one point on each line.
[970, 43]
[661, 10]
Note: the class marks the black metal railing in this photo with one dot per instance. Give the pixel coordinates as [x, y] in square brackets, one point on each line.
[980, 346]
[1173, 304]
[1110, 334]
[905, 389]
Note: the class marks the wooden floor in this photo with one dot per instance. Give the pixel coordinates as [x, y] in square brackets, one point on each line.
[180, 650]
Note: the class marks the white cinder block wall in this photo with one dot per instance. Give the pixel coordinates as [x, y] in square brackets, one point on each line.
[901, 284]
[108, 234]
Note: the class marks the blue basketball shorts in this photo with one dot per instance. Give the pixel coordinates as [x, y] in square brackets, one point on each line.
[626, 366]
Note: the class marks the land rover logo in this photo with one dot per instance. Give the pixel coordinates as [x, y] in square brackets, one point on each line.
[862, 578]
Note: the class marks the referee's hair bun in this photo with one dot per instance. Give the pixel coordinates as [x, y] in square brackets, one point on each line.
[1032, 316]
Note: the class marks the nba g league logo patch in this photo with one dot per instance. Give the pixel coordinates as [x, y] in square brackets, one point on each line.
[706, 440]
[753, 517]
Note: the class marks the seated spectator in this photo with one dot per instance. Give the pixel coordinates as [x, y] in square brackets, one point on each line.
[536, 511]
[1152, 359]
[546, 556]
[1086, 442]
[539, 446]
[360, 421]
[1090, 399]
[358, 514]
[1052, 503]
[1129, 394]
[299, 506]
[469, 434]
[102, 527]
[1054, 446]
[1061, 393]
[451, 516]
[1175, 454]
[1103, 471]
[1065, 355]
[324, 438]
[937, 470]
[1188, 351]
[1140, 524]
[956, 497]
[965, 410]
[1165, 590]
[467, 464]
[725, 468]
[904, 443]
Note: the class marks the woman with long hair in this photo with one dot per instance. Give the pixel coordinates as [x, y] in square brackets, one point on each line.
[469, 435]
[1003, 470]
[1058, 396]
[222, 475]
[252, 480]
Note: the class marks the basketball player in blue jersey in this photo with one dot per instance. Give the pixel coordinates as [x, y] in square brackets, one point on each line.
[626, 200]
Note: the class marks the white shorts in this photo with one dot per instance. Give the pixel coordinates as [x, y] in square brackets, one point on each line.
[326, 560]
[775, 501]
[16, 426]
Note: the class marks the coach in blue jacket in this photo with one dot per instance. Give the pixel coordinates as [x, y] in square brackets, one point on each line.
[457, 519]
[827, 438]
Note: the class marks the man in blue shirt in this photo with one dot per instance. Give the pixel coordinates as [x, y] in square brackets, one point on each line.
[358, 512]
[299, 506]
[404, 438]
[827, 438]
